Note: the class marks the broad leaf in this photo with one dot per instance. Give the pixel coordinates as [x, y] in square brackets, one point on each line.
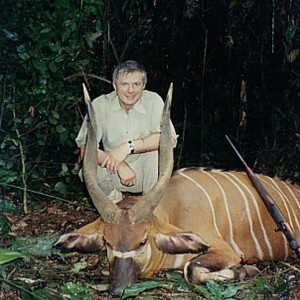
[138, 288]
[7, 256]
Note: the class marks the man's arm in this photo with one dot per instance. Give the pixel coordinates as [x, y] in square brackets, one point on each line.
[146, 144]
[114, 161]
[120, 153]
[124, 171]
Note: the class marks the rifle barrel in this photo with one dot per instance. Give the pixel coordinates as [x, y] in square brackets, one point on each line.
[236, 151]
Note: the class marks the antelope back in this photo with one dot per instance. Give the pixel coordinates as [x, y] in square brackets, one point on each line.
[225, 207]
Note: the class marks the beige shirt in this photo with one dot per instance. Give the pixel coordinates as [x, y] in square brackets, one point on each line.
[115, 127]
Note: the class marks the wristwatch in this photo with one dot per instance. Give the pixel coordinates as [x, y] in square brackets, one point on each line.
[131, 147]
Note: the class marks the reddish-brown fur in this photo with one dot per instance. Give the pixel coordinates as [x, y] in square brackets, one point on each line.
[212, 224]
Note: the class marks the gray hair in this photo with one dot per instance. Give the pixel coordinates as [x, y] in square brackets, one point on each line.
[129, 66]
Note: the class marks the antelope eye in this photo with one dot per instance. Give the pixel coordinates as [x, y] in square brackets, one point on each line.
[143, 242]
[107, 244]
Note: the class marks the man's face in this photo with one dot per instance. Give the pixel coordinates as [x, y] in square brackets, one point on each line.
[129, 88]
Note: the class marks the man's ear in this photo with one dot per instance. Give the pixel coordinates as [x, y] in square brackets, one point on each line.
[114, 85]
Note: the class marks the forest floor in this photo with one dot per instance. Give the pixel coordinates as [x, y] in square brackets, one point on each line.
[54, 269]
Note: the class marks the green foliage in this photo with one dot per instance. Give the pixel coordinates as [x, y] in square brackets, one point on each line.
[7, 256]
[6, 206]
[137, 288]
[215, 291]
[290, 33]
[43, 43]
[34, 291]
[262, 288]
[40, 294]
[174, 282]
[76, 291]
[35, 246]
[4, 225]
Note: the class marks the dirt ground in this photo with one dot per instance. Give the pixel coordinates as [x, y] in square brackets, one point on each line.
[53, 218]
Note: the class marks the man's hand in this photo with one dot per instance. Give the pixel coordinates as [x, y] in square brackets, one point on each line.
[114, 158]
[126, 174]
[101, 156]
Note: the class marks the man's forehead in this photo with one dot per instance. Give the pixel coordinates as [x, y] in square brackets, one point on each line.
[134, 76]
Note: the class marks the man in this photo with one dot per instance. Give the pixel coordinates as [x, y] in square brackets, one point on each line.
[128, 127]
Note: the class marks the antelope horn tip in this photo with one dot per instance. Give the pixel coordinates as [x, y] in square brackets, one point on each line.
[86, 93]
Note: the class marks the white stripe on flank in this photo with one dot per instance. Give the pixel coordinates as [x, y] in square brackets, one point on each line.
[252, 231]
[231, 234]
[296, 202]
[284, 199]
[294, 196]
[285, 202]
[208, 198]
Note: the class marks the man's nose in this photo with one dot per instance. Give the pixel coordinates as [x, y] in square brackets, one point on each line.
[130, 88]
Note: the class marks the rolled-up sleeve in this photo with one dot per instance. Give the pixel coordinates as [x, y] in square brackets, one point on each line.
[82, 134]
[157, 110]
[174, 135]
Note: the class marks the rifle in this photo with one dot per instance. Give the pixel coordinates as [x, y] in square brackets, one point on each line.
[270, 204]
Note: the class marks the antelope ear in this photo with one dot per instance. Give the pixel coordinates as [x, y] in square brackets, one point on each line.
[81, 242]
[180, 242]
